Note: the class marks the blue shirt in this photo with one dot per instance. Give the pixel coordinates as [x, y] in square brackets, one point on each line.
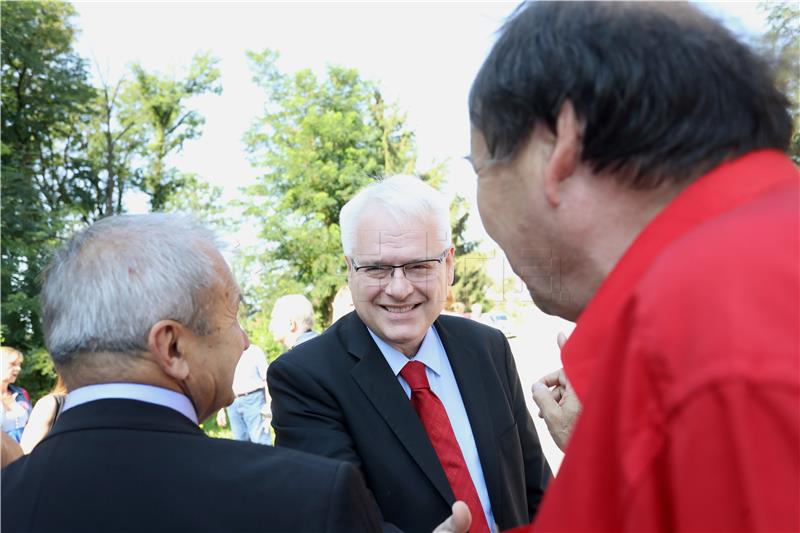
[443, 383]
[132, 391]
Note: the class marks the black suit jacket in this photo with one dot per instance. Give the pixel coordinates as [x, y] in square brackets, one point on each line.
[125, 465]
[336, 396]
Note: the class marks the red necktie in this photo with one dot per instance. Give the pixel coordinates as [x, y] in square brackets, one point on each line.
[434, 418]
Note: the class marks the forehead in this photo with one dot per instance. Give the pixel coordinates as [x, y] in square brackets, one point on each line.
[224, 284]
[384, 239]
[10, 357]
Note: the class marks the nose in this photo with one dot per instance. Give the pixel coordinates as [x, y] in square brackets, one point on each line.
[398, 287]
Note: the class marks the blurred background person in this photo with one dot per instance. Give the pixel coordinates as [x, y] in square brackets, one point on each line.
[16, 401]
[292, 320]
[249, 414]
[342, 303]
[43, 416]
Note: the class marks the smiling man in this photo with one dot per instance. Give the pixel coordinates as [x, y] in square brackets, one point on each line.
[430, 407]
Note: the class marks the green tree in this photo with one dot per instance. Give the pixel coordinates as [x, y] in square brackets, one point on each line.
[319, 141]
[782, 41]
[115, 136]
[471, 280]
[46, 97]
[161, 103]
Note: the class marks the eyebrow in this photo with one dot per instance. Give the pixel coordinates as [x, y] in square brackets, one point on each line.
[382, 263]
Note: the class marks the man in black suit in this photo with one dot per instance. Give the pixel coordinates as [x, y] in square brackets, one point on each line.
[140, 317]
[465, 433]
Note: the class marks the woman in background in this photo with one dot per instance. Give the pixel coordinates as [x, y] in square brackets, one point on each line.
[43, 416]
[16, 402]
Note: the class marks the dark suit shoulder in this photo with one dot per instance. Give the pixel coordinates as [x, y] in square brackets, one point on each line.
[457, 331]
[323, 351]
[139, 480]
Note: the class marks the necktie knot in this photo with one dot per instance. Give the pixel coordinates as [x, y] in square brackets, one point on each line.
[414, 374]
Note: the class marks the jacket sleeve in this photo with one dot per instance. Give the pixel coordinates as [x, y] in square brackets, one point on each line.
[352, 505]
[305, 416]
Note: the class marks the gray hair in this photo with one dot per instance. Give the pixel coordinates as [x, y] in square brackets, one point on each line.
[295, 307]
[402, 199]
[109, 284]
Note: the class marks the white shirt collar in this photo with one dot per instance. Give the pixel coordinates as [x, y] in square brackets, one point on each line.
[428, 352]
[132, 391]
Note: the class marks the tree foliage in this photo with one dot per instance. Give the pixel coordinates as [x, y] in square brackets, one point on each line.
[471, 280]
[318, 141]
[71, 151]
[46, 96]
[782, 41]
[168, 122]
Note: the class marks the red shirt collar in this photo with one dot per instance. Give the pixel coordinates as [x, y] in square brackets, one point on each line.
[722, 188]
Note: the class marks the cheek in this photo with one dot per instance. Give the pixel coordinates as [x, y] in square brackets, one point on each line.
[363, 293]
[486, 211]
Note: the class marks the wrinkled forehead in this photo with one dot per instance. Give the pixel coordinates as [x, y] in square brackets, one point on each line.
[224, 286]
[407, 244]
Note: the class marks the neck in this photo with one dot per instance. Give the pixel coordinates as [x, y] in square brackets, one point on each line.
[293, 337]
[616, 215]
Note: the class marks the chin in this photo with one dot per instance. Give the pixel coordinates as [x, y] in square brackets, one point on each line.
[555, 308]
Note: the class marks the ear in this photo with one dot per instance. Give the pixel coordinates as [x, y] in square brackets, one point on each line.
[293, 327]
[450, 264]
[564, 158]
[167, 342]
[349, 266]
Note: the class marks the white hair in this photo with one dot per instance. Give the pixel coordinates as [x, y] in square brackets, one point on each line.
[400, 198]
[109, 284]
[295, 307]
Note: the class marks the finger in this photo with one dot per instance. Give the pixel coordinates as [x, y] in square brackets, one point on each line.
[462, 518]
[543, 398]
[458, 522]
[558, 394]
[553, 379]
[561, 340]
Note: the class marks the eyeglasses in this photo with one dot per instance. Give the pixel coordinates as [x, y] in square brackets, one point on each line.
[413, 271]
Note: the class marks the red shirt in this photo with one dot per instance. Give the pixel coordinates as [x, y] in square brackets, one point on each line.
[687, 361]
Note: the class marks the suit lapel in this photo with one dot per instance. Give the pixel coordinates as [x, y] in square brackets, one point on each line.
[469, 367]
[376, 379]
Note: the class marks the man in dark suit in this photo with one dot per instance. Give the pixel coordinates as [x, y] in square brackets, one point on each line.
[140, 317]
[430, 408]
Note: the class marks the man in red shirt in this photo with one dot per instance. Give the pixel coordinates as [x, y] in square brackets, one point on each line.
[630, 162]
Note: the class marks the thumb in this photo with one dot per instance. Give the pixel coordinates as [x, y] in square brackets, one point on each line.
[544, 399]
[462, 518]
[458, 522]
[561, 340]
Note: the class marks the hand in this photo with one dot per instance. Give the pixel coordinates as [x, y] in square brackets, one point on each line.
[222, 420]
[559, 406]
[458, 522]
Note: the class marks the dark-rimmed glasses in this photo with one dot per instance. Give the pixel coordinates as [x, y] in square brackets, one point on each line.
[414, 271]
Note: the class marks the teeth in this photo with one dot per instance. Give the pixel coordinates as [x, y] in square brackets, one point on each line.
[399, 309]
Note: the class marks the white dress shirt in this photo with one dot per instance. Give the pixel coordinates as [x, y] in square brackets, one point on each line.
[251, 371]
[132, 391]
[443, 383]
